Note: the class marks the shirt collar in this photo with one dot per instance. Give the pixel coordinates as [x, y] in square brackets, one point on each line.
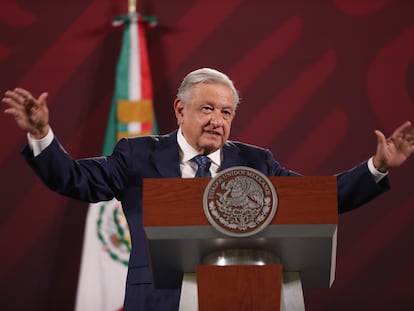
[187, 152]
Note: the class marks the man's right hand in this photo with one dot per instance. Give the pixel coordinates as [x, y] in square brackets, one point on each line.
[31, 114]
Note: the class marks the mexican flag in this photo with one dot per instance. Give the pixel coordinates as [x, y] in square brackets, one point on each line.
[107, 242]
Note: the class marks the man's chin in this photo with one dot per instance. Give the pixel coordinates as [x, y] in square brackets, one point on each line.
[211, 144]
[210, 148]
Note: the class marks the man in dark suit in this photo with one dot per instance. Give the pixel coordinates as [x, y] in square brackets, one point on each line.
[205, 107]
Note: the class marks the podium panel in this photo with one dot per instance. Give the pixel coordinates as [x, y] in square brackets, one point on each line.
[302, 234]
[245, 287]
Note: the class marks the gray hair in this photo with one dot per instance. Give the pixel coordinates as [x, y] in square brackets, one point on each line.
[205, 75]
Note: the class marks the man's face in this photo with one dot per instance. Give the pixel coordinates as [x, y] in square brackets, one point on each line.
[206, 118]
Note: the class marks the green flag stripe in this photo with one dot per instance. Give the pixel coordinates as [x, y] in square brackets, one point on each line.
[121, 91]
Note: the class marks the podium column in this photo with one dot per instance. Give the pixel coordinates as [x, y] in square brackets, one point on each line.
[291, 298]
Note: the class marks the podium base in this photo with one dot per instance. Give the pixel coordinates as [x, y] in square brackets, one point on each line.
[291, 294]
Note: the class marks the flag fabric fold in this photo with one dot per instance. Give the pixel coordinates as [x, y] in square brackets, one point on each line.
[106, 246]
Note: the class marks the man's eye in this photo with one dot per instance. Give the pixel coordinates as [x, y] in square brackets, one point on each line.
[227, 113]
[207, 108]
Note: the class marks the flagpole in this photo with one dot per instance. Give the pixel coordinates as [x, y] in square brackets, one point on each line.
[132, 6]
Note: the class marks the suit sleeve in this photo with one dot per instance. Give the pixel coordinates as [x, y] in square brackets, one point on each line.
[357, 187]
[91, 179]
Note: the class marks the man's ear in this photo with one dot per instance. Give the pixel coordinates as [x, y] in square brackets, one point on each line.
[178, 108]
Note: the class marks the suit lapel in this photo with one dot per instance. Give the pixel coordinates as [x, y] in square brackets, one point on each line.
[166, 157]
[232, 156]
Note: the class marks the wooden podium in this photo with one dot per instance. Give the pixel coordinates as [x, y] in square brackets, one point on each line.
[302, 235]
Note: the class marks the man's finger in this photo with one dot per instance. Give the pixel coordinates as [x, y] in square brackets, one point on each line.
[403, 127]
[23, 93]
[380, 136]
[25, 98]
[43, 98]
[40, 102]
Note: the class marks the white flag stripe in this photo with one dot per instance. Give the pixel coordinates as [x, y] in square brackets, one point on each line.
[134, 127]
[135, 92]
[102, 280]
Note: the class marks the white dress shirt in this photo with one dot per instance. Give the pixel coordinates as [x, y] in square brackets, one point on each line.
[187, 167]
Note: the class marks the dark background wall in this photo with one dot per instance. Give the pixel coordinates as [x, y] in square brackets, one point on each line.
[316, 79]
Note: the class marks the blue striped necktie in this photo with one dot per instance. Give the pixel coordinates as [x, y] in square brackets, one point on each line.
[203, 165]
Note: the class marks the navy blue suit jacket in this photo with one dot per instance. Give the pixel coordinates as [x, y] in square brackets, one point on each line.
[121, 175]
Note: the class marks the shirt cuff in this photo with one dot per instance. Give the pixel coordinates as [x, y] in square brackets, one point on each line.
[375, 173]
[38, 145]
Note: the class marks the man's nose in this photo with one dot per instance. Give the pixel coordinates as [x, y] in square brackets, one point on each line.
[216, 118]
